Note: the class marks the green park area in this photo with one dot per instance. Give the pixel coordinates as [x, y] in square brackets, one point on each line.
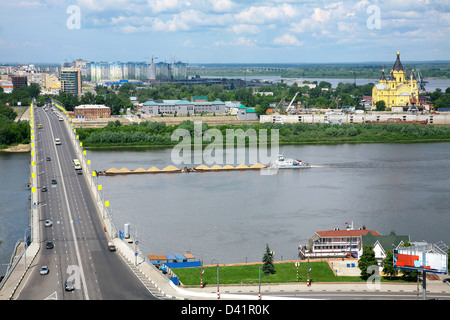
[249, 274]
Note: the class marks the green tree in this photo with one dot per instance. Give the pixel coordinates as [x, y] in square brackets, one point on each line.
[388, 264]
[33, 90]
[8, 112]
[366, 260]
[380, 105]
[443, 102]
[448, 257]
[268, 267]
[262, 108]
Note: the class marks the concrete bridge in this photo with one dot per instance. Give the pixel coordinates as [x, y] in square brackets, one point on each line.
[70, 228]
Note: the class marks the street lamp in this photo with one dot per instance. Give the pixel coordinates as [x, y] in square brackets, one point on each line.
[135, 242]
[25, 252]
[259, 288]
[218, 292]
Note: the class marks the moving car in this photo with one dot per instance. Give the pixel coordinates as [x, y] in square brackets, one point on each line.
[44, 189]
[48, 223]
[49, 159]
[54, 181]
[44, 270]
[69, 285]
[111, 246]
[49, 245]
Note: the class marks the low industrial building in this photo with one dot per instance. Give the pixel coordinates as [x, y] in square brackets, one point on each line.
[438, 118]
[182, 107]
[91, 111]
[245, 113]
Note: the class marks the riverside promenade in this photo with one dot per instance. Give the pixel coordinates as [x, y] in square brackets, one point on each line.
[273, 291]
[170, 291]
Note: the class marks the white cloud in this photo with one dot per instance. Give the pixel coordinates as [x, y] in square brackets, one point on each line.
[245, 29]
[287, 40]
[239, 42]
[105, 5]
[222, 5]
[346, 27]
[173, 25]
[188, 44]
[321, 15]
[159, 6]
[30, 4]
[265, 14]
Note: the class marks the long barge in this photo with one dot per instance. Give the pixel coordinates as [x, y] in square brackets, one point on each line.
[173, 169]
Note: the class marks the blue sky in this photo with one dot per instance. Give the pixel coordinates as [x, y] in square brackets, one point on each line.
[224, 31]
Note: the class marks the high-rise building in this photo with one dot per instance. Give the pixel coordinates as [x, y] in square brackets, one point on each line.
[71, 81]
[179, 70]
[152, 71]
[163, 70]
[52, 84]
[136, 71]
[19, 81]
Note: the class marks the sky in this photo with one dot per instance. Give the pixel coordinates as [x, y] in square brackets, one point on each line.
[224, 31]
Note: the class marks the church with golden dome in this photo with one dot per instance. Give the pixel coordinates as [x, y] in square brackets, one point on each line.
[398, 89]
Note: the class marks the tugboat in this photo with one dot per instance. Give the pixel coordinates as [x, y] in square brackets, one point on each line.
[286, 163]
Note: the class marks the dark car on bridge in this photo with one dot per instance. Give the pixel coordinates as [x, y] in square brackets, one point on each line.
[69, 285]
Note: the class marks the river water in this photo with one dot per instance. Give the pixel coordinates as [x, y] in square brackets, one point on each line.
[231, 216]
[14, 203]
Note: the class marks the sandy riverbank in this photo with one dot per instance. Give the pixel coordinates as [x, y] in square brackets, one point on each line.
[18, 148]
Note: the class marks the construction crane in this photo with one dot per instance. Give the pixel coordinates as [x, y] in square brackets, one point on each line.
[412, 109]
[421, 81]
[277, 108]
[292, 101]
[153, 57]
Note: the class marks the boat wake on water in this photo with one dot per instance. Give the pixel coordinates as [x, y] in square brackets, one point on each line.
[356, 165]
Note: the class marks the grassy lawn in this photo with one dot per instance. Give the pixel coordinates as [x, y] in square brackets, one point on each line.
[249, 274]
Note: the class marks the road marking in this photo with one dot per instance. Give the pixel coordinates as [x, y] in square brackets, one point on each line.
[77, 252]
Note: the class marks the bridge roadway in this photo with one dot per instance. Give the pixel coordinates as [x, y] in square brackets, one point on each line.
[80, 243]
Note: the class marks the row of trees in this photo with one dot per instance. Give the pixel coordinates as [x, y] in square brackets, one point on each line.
[441, 99]
[24, 95]
[158, 133]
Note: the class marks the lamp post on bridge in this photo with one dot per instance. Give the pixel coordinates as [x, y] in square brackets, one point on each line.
[218, 292]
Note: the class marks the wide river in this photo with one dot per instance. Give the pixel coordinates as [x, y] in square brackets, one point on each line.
[231, 216]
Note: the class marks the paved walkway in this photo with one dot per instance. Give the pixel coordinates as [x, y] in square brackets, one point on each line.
[13, 282]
